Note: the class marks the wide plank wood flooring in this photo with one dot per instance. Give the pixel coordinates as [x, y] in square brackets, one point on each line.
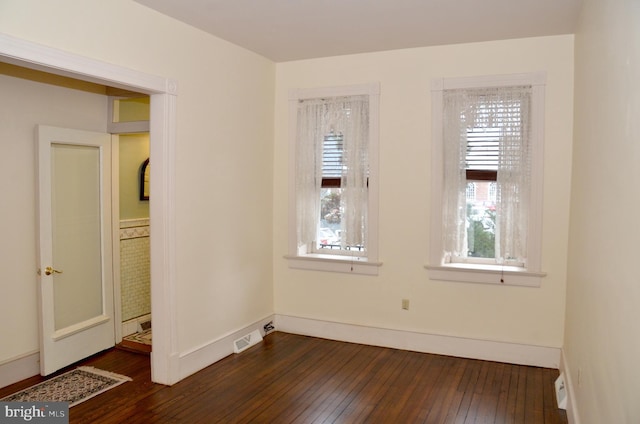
[297, 379]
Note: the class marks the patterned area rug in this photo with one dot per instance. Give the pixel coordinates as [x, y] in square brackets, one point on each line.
[74, 387]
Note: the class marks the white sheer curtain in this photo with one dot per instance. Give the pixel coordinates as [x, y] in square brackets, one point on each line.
[455, 180]
[514, 174]
[308, 171]
[505, 111]
[317, 118]
[355, 172]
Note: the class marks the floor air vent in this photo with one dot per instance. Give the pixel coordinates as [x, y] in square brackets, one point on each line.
[247, 341]
[561, 392]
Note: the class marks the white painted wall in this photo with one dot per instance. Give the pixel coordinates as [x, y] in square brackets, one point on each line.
[223, 159]
[530, 316]
[602, 346]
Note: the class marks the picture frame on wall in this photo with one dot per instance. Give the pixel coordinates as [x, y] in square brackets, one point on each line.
[144, 180]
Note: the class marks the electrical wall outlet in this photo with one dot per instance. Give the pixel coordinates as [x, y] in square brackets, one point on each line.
[405, 304]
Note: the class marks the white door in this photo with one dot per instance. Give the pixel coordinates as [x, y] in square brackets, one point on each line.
[74, 252]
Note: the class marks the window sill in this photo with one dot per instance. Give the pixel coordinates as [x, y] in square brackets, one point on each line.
[486, 274]
[334, 263]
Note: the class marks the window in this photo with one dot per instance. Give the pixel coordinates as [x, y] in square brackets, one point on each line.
[493, 191]
[471, 192]
[487, 179]
[333, 194]
[332, 209]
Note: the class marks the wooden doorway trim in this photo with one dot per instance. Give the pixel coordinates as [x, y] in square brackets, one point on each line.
[163, 92]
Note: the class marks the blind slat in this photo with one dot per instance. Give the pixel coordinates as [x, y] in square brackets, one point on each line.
[332, 156]
[492, 122]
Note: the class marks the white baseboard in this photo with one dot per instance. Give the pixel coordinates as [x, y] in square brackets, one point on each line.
[513, 353]
[572, 411]
[201, 357]
[20, 368]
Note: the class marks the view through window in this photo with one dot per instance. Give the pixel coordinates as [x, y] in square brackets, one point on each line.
[332, 207]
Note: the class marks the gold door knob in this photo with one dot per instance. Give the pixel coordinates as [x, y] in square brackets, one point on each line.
[49, 270]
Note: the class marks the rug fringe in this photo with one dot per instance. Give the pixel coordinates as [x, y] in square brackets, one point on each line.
[105, 373]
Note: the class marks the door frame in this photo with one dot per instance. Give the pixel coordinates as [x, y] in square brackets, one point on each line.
[162, 141]
[116, 230]
[115, 233]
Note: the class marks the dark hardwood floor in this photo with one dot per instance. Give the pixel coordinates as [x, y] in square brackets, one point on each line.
[296, 379]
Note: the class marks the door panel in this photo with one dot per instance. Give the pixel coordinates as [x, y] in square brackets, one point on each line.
[76, 287]
[76, 233]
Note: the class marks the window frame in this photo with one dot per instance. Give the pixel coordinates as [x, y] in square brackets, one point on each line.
[368, 264]
[530, 274]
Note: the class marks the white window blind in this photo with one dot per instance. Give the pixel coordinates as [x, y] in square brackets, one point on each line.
[332, 150]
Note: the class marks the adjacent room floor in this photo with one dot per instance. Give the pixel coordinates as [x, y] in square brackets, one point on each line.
[137, 342]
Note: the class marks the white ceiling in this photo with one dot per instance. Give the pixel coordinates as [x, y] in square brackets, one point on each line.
[284, 30]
